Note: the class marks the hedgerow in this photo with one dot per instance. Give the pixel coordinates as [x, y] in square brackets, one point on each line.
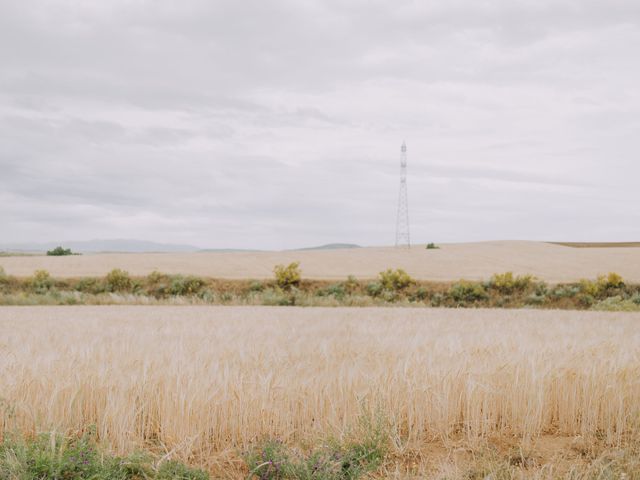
[392, 287]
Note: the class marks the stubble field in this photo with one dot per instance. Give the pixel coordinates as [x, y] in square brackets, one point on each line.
[472, 261]
[205, 383]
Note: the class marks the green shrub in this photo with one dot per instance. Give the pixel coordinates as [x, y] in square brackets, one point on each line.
[589, 287]
[613, 280]
[289, 276]
[226, 297]
[181, 286]
[374, 289]
[158, 284]
[585, 300]
[395, 280]
[432, 246]
[3, 275]
[419, 295]
[89, 285]
[277, 297]
[156, 277]
[207, 296]
[437, 300]
[337, 290]
[256, 286]
[616, 304]
[508, 283]
[541, 289]
[118, 281]
[535, 299]
[41, 282]
[389, 295]
[351, 284]
[467, 292]
[565, 291]
[602, 285]
[59, 252]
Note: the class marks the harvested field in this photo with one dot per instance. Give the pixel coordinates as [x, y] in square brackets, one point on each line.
[599, 244]
[473, 261]
[204, 382]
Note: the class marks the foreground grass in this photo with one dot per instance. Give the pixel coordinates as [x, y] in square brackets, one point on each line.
[333, 459]
[521, 462]
[213, 385]
[52, 456]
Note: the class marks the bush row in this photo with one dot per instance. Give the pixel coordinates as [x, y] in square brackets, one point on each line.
[287, 287]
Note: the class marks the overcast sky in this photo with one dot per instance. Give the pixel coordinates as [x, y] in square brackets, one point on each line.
[278, 123]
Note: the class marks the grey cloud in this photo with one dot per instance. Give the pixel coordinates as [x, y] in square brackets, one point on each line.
[277, 124]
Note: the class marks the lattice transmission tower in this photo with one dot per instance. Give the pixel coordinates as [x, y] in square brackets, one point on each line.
[403, 238]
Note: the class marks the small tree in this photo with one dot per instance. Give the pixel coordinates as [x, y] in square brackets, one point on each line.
[59, 252]
[289, 276]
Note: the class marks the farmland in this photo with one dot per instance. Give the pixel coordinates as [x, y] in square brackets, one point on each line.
[451, 388]
[472, 261]
[209, 361]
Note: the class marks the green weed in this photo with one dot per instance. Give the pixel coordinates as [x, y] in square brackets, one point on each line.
[331, 460]
[56, 457]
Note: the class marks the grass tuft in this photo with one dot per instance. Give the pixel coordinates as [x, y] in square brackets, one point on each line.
[52, 456]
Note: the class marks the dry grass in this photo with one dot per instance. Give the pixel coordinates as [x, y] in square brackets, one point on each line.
[473, 261]
[204, 382]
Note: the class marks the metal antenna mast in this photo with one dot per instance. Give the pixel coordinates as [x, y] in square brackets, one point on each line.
[402, 222]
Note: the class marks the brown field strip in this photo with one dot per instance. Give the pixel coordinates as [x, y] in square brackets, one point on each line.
[598, 244]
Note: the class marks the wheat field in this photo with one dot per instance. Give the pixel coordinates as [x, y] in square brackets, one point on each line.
[473, 261]
[204, 382]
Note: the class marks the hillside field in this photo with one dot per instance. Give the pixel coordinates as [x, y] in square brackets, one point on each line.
[474, 261]
[203, 384]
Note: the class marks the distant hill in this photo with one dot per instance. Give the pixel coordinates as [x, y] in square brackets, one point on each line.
[331, 246]
[95, 246]
[227, 250]
[126, 245]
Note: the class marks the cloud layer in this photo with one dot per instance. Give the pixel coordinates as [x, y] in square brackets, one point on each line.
[278, 124]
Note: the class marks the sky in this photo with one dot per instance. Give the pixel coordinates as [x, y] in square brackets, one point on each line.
[276, 124]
